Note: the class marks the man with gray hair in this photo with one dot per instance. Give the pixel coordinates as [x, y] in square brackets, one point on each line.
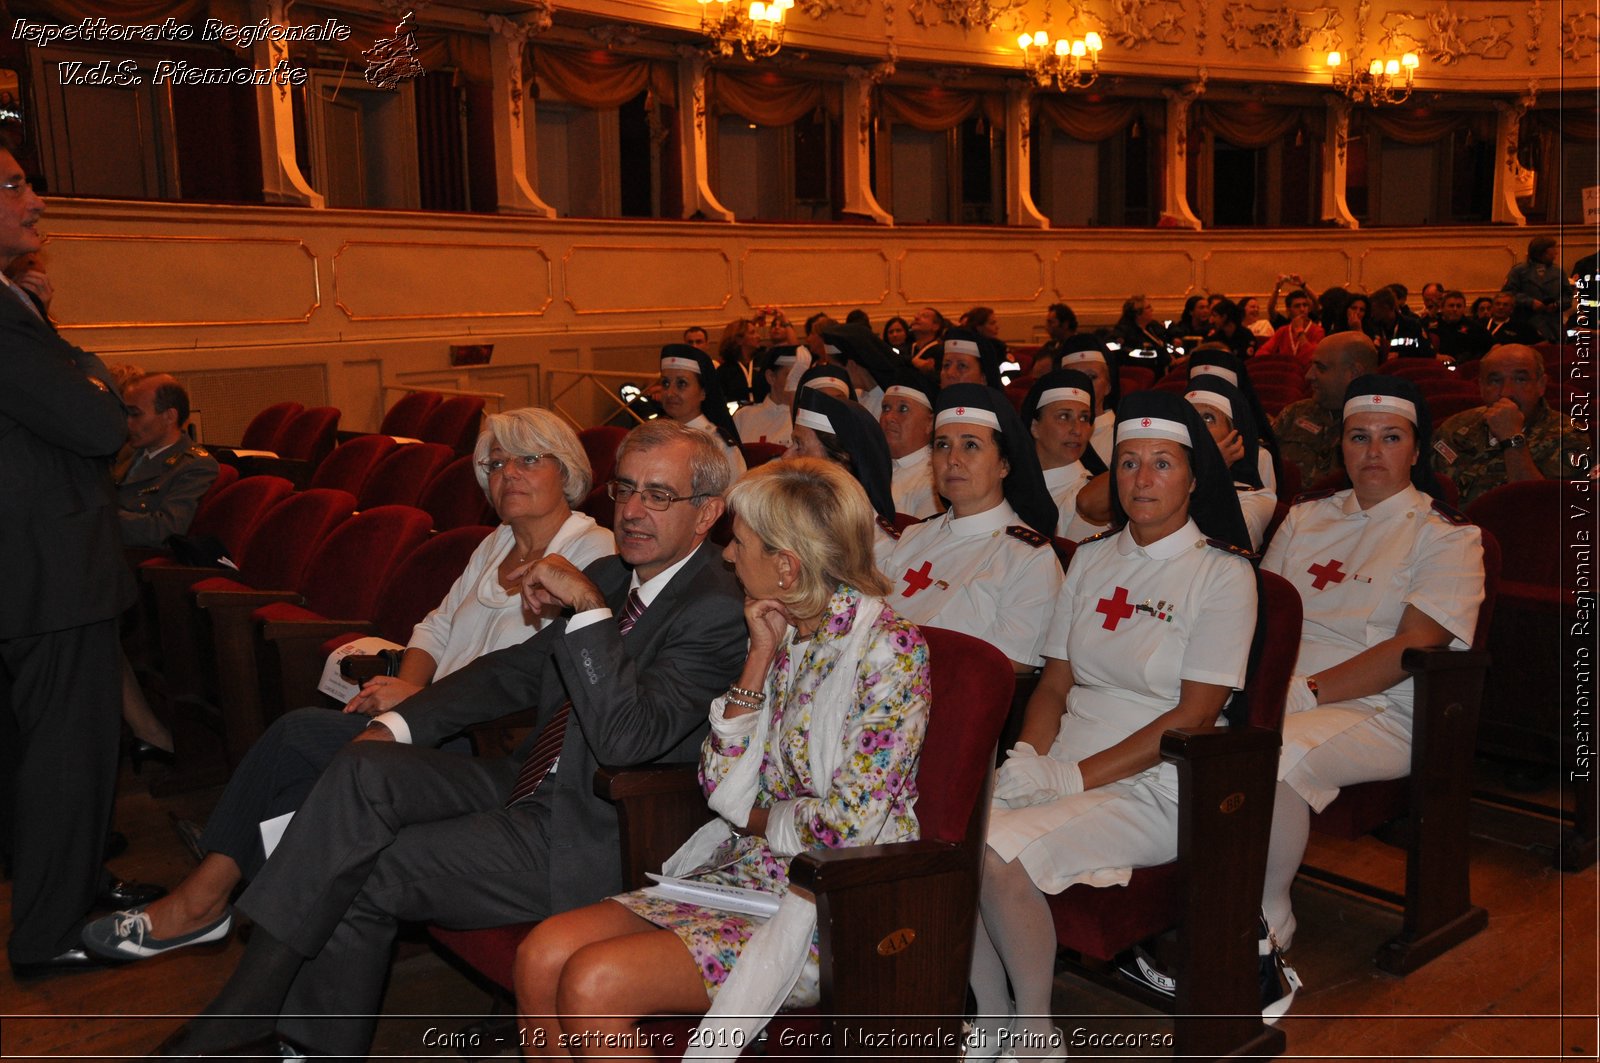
[395, 830]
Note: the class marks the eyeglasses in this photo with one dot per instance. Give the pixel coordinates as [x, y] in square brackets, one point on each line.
[17, 188]
[652, 497]
[526, 461]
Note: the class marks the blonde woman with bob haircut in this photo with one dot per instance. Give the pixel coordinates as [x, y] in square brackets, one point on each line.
[815, 746]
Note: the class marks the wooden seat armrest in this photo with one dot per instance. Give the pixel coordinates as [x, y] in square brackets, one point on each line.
[180, 576]
[318, 630]
[658, 807]
[1201, 743]
[244, 599]
[623, 784]
[1227, 778]
[821, 871]
[1417, 661]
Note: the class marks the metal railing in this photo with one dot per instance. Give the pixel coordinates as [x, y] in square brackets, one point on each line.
[591, 378]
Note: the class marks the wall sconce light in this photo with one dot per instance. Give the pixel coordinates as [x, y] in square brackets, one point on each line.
[755, 31]
[1065, 64]
[1384, 80]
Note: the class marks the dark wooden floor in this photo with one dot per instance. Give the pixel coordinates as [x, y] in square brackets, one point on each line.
[1524, 988]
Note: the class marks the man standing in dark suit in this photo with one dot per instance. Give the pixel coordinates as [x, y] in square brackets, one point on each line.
[393, 833]
[65, 585]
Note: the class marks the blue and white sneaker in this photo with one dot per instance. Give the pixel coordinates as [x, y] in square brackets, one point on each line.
[126, 935]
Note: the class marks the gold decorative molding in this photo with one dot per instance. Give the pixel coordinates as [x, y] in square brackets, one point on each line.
[1472, 265]
[802, 285]
[426, 267]
[666, 277]
[188, 277]
[1004, 15]
[1580, 35]
[1281, 28]
[1446, 36]
[1238, 271]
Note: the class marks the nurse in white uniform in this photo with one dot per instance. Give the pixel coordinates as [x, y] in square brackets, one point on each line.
[907, 422]
[771, 420]
[691, 396]
[968, 357]
[1381, 568]
[1152, 631]
[1059, 411]
[842, 432]
[1092, 360]
[1219, 362]
[1226, 413]
[865, 358]
[986, 567]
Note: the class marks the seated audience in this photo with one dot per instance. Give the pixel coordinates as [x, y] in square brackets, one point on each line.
[533, 470]
[1308, 430]
[1208, 361]
[1300, 336]
[927, 329]
[1504, 324]
[161, 483]
[865, 360]
[1060, 413]
[1514, 435]
[696, 337]
[842, 432]
[968, 357]
[1407, 574]
[985, 567]
[1228, 417]
[1138, 330]
[394, 831]
[736, 360]
[692, 395]
[897, 335]
[1083, 796]
[1456, 335]
[770, 420]
[831, 671]
[1395, 334]
[1227, 328]
[1060, 325]
[1089, 356]
[907, 423]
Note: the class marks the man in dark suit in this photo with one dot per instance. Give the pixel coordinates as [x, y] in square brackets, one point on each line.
[393, 833]
[65, 584]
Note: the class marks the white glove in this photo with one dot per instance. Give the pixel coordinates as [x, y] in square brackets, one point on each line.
[1026, 778]
[1300, 698]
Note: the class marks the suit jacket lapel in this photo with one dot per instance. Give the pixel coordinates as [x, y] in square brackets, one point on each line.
[653, 616]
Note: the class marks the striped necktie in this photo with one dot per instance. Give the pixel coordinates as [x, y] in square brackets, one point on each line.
[547, 749]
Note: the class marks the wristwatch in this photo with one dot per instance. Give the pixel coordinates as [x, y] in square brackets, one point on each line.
[1516, 442]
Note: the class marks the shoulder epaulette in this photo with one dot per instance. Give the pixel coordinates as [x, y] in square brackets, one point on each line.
[1027, 535]
[1224, 545]
[1097, 537]
[888, 526]
[1450, 513]
[1312, 496]
[195, 450]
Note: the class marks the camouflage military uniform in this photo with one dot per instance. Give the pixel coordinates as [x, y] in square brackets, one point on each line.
[157, 498]
[1308, 438]
[1466, 451]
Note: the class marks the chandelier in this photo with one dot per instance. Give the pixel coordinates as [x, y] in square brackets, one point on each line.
[1067, 64]
[756, 32]
[1384, 80]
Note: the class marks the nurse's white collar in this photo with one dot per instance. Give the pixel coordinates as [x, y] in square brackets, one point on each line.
[1168, 546]
[916, 457]
[990, 520]
[1407, 498]
[1063, 475]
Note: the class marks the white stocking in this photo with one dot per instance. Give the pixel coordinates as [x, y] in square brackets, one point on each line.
[1022, 936]
[1291, 827]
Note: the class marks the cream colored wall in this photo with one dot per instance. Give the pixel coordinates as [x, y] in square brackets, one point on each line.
[360, 299]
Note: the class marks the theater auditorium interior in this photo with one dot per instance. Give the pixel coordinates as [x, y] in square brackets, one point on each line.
[353, 230]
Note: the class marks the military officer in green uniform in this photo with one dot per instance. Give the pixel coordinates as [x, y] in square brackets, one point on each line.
[1514, 435]
[161, 482]
[1308, 430]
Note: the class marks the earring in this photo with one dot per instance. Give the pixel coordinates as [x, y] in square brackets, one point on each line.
[780, 585]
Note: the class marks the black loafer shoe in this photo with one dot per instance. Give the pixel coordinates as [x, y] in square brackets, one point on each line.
[65, 962]
[116, 894]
